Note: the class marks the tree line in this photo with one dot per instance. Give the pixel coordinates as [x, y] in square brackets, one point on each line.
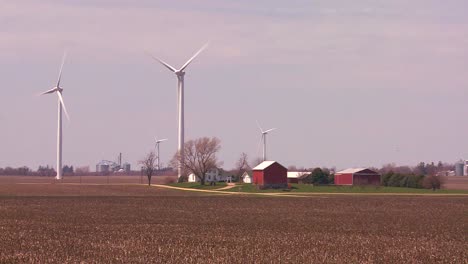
[201, 157]
[41, 171]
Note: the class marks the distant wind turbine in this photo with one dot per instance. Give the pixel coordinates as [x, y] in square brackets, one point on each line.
[157, 149]
[180, 101]
[264, 133]
[58, 89]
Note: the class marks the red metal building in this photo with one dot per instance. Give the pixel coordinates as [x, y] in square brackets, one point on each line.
[270, 174]
[360, 176]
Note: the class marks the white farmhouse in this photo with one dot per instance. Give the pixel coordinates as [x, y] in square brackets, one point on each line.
[216, 175]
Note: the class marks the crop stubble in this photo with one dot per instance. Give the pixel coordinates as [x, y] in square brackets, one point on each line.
[224, 229]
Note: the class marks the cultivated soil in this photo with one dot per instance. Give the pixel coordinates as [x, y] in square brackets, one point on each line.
[456, 182]
[66, 223]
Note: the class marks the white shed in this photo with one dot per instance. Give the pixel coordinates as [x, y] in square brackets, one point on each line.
[247, 177]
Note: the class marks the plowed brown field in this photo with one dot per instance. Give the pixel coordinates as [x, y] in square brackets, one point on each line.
[140, 224]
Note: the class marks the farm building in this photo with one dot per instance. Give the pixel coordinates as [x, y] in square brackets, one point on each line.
[247, 177]
[270, 174]
[214, 175]
[359, 176]
[297, 176]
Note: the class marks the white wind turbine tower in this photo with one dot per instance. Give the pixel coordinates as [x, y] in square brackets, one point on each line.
[180, 100]
[157, 149]
[264, 133]
[57, 89]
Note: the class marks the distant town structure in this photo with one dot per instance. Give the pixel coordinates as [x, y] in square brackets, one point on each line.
[358, 176]
[270, 174]
[126, 167]
[105, 166]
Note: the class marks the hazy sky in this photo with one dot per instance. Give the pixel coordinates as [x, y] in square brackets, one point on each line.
[347, 83]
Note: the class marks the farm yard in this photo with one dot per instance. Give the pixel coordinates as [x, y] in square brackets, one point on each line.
[135, 223]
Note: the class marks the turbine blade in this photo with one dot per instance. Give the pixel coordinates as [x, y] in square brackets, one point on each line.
[193, 57]
[63, 104]
[269, 130]
[172, 69]
[48, 92]
[61, 68]
[259, 127]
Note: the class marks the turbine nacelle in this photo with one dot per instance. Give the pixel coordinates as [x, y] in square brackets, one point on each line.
[53, 90]
[161, 140]
[266, 131]
[58, 89]
[180, 72]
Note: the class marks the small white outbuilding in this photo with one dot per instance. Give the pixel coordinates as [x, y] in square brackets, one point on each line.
[247, 177]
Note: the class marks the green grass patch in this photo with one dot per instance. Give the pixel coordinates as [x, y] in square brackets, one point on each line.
[308, 188]
[197, 185]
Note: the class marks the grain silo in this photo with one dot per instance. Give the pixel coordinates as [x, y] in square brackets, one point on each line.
[126, 167]
[460, 168]
[102, 166]
[466, 168]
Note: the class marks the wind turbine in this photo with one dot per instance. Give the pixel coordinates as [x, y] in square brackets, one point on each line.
[180, 101]
[264, 133]
[58, 89]
[157, 148]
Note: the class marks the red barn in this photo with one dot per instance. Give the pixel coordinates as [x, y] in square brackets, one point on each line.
[270, 174]
[361, 176]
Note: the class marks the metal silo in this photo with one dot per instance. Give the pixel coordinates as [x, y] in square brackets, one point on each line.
[102, 166]
[126, 167]
[459, 168]
[466, 168]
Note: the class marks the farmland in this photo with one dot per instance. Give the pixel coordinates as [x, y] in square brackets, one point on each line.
[137, 223]
[309, 188]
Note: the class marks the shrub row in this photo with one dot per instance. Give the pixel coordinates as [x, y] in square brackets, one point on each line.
[411, 180]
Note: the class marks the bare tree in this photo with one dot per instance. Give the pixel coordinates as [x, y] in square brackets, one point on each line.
[433, 182]
[199, 157]
[242, 165]
[148, 164]
[83, 170]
